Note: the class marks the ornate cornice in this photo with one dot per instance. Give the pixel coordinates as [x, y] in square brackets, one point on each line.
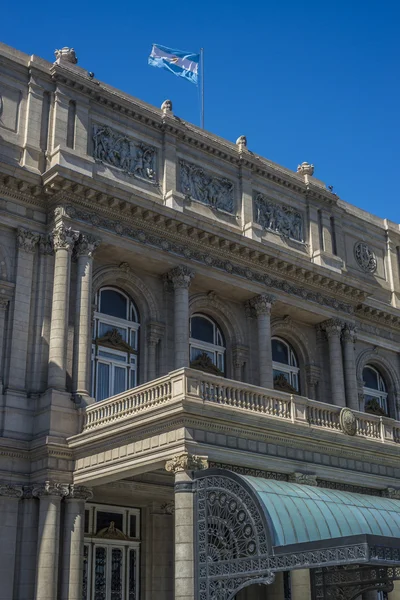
[186, 462]
[303, 479]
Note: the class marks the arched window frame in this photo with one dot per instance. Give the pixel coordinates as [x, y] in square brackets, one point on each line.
[380, 394]
[216, 350]
[291, 369]
[115, 347]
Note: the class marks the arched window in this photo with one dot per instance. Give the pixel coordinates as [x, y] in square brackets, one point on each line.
[285, 366]
[375, 393]
[115, 344]
[207, 345]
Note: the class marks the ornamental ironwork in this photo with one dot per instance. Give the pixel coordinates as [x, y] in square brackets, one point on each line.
[205, 187]
[117, 150]
[284, 220]
[349, 582]
[365, 257]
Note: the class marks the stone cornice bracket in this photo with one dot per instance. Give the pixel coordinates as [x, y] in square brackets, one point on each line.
[303, 479]
[349, 333]
[186, 462]
[181, 276]
[64, 237]
[46, 244]
[333, 327]
[9, 490]
[27, 240]
[50, 488]
[262, 304]
[86, 245]
[306, 170]
[79, 492]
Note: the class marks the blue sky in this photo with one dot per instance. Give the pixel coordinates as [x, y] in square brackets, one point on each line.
[312, 81]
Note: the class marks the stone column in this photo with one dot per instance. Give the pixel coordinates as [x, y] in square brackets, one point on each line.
[49, 494]
[9, 498]
[350, 371]
[395, 595]
[64, 239]
[333, 329]
[3, 308]
[300, 584]
[85, 249]
[72, 551]
[162, 551]
[183, 466]
[26, 242]
[27, 547]
[262, 305]
[181, 277]
[239, 360]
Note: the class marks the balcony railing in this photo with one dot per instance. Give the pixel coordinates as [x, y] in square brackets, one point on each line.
[211, 389]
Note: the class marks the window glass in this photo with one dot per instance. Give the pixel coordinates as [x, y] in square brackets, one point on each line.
[103, 520]
[285, 369]
[207, 346]
[202, 329]
[113, 303]
[370, 377]
[280, 352]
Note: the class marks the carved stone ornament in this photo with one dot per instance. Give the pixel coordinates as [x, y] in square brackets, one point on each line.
[303, 479]
[117, 150]
[11, 491]
[392, 493]
[66, 55]
[348, 421]
[64, 237]
[306, 169]
[262, 304]
[186, 462]
[282, 385]
[205, 187]
[113, 339]
[46, 244]
[166, 107]
[181, 276]
[168, 508]
[86, 245]
[280, 219]
[204, 363]
[50, 488]
[241, 142]
[79, 492]
[3, 303]
[365, 257]
[333, 327]
[111, 533]
[27, 240]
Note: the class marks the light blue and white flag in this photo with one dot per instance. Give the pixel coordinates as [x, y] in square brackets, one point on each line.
[178, 62]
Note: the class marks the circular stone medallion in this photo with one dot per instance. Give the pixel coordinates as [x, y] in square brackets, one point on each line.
[365, 257]
[348, 421]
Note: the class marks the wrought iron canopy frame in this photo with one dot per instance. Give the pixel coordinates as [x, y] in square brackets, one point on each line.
[234, 544]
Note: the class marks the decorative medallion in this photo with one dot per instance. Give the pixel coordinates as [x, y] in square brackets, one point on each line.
[365, 257]
[348, 421]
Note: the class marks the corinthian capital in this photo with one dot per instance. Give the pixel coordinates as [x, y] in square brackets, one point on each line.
[46, 244]
[79, 492]
[181, 276]
[262, 304]
[27, 240]
[333, 327]
[11, 491]
[186, 462]
[64, 237]
[86, 245]
[350, 333]
[50, 488]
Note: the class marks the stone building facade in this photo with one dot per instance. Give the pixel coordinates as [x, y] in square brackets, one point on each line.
[175, 308]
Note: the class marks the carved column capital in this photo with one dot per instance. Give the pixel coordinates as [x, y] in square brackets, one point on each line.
[186, 462]
[333, 327]
[3, 303]
[46, 244]
[27, 240]
[50, 488]
[64, 237]
[79, 492]
[9, 490]
[349, 333]
[303, 479]
[86, 245]
[262, 304]
[181, 276]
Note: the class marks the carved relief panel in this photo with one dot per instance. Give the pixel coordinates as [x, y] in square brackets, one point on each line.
[278, 218]
[205, 187]
[117, 150]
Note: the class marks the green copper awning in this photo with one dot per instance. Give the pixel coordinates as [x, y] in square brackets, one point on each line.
[299, 514]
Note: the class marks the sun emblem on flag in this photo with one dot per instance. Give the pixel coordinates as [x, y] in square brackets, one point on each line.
[173, 59]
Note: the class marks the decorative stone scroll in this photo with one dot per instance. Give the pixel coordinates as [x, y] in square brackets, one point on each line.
[280, 219]
[117, 150]
[365, 257]
[203, 186]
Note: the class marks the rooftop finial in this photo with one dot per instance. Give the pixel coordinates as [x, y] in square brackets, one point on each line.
[241, 142]
[166, 107]
[66, 55]
[306, 170]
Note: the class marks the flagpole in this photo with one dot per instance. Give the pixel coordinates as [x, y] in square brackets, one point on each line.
[202, 86]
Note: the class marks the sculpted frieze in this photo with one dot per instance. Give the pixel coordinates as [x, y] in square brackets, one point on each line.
[118, 150]
[284, 220]
[203, 186]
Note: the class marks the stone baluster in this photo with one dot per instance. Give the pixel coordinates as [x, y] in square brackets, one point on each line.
[181, 278]
[333, 329]
[50, 495]
[262, 305]
[3, 307]
[84, 249]
[64, 239]
[9, 499]
[350, 370]
[21, 313]
[73, 538]
[183, 466]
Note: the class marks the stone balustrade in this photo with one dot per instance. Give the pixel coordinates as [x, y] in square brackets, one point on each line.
[210, 389]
